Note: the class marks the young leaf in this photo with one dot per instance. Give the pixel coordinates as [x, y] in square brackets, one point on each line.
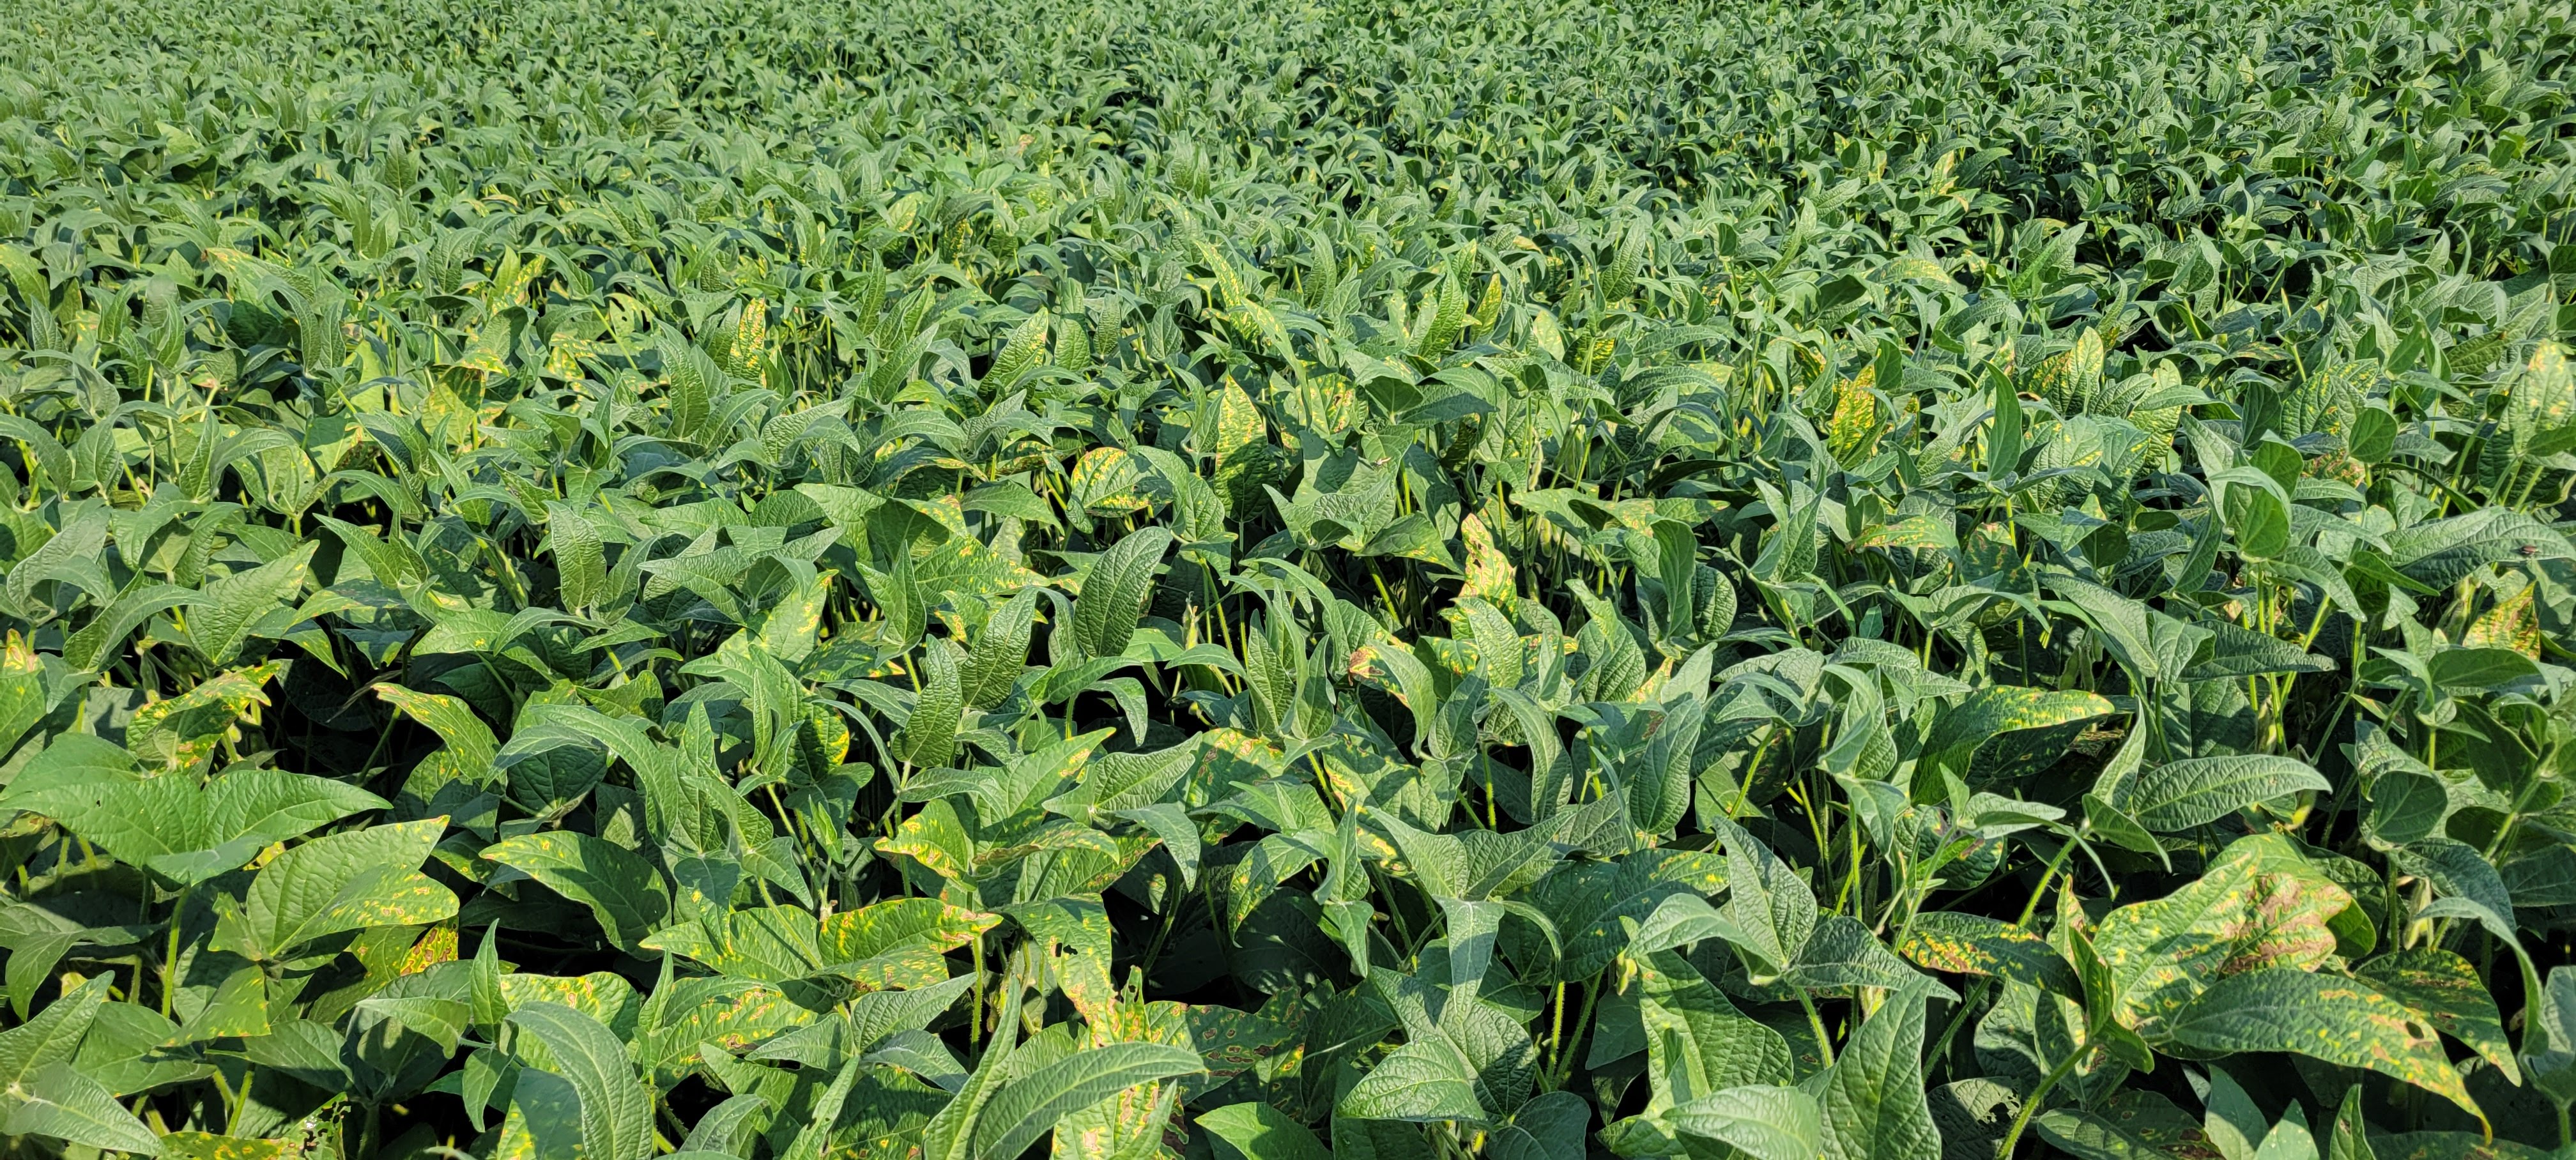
[1874, 1106]
[615, 1109]
[929, 737]
[234, 603]
[1113, 594]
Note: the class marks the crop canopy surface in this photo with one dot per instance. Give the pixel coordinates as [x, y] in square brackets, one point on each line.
[1140, 579]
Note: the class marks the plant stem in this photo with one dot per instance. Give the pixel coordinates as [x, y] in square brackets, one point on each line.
[1959, 1018]
[2030, 1106]
[1565, 1062]
[975, 1027]
[2041, 891]
[170, 961]
[1816, 1023]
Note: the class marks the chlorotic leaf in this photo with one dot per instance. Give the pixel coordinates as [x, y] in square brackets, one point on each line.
[2331, 1018]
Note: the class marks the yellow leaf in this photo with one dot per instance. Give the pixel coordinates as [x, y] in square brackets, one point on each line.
[1489, 570]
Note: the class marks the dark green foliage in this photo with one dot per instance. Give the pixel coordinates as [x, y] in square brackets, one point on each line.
[1892, 579]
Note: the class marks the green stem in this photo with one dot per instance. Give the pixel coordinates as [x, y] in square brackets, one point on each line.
[975, 1027]
[2030, 1106]
[1941, 1047]
[1565, 1062]
[1173, 898]
[1816, 1023]
[2054, 865]
[170, 960]
[1556, 1032]
[232, 1099]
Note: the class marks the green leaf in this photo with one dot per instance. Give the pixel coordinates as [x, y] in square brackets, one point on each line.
[1549, 1127]
[1423, 1081]
[622, 890]
[101, 640]
[1757, 1121]
[2237, 652]
[60, 1102]
[23, 699]
[581, 562]
[1114, 592]
[2330, 1018]
[901, 599]
[929, 737]
[1591, 904]
[2133, 1125]
[1696, 1041]
[1258, 1131]
[79, 543]
[2373, 436]
[730, 1128]
[2480, 668]
[2406, 807]
[614, 1107]
[2117, 827]
[2004, 436]
[2180, 795]
[483, 985]
[1843, 953]
[52, 1035]
[1768, 903]
[338, 883]
[124, 1051]
[441, 1021]
[1678, 921]
[1676, 565]
[68, 774]
[233, 604]
[188, 833]
[2549, 1038]
[2459, 873]
[1001, 652]
[2232, 1122]
[2440, 552]
[1027, 1110]
[2259, 520]
[1874, 1104]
